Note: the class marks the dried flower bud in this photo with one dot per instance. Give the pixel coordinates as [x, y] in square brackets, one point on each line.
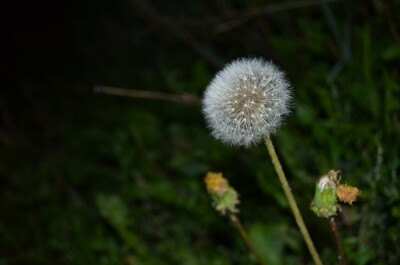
[224, 197]
[328, 190]
[215, 183]
[324, 203]
[246, 101]
[347, 194]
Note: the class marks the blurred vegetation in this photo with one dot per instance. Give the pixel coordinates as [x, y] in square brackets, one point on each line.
[97, 179]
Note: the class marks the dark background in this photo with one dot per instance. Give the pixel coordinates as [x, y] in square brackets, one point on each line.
[100, 179]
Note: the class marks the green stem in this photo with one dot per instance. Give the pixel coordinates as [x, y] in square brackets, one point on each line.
[246, 238]
[292, 201]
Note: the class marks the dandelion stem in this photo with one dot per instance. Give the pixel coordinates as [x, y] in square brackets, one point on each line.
[341, 258]
[292, 201]
[246, 238]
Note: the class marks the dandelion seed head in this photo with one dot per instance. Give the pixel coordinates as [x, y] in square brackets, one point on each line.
[246, 101]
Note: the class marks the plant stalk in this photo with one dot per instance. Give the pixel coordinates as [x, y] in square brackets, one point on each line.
[341, 258]
[292, 202]
[184, 98]
[246, 238]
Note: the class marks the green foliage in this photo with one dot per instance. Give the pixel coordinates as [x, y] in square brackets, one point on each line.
[99, 179]
[115, 212]
[273, 240]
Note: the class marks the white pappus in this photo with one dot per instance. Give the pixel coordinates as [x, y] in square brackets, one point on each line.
[246, 101]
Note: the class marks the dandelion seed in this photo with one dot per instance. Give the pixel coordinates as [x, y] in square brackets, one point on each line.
[259, 110]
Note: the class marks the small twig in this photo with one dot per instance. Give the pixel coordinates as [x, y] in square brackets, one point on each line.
[185, 98]
[247, 15]
[389, 20]
[238, 14]
[246, 238]
[153, 15]
[341, 258]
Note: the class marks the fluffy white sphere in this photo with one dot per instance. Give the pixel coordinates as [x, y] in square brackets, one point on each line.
[246, 101]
